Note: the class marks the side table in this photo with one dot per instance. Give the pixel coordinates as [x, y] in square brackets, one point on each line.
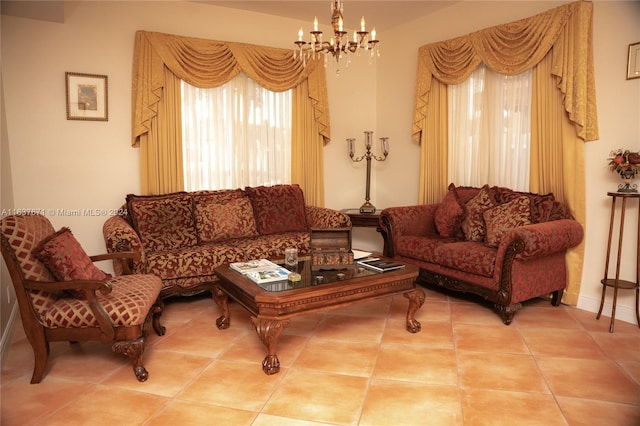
[365, 220]
[617, 283]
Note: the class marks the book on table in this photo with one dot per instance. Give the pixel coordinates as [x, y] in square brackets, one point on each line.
[261, 270]
[380, 265]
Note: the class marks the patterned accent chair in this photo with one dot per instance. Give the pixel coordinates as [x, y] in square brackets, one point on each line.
[63, 297]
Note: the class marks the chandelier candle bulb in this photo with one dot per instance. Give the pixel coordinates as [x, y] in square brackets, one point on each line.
[373, 34]
[338, 46]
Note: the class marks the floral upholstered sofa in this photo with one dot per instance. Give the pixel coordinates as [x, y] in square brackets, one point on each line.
[503, 245]
[182, 237]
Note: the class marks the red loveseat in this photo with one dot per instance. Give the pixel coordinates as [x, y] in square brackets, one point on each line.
[503, 245]
[182, 237]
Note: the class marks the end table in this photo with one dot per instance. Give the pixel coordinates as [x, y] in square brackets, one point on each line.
[365, 220]
[617, 283]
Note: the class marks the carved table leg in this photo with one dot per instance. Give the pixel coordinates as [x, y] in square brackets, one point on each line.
[269, 332]
[134, 350]
[221, 300]
[416, 300]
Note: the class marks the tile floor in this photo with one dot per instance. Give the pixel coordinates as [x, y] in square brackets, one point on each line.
[351, 366]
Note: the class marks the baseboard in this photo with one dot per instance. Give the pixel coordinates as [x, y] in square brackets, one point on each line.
[623, 313]
[7, 336]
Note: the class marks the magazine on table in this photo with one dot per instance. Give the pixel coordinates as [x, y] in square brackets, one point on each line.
[253, 266]
[380, 265]
[268, 275]
[261, 270]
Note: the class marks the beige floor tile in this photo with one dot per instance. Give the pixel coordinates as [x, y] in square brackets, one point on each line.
[513, 372]
[474, 313]
[552, 317]
[338, 357]
[587, 412]
[568, 343]
[483, 407]
[619, 346]
[232, 384]
[356, 365]
[107, 406]
[351, 328]
[24, 403]
[335, 399]
[485, 338]
[432, 334]
[269, 420]
[427, 365]
[194, 414]
[169, 373]
[602, 380]
[407, 403]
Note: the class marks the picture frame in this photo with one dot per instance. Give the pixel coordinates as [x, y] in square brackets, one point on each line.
[633, 61]
[87, 96]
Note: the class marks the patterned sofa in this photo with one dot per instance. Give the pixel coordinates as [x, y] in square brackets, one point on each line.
[503, 245]
[182, 237]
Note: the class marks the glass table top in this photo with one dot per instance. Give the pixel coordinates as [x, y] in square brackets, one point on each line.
[310, 278]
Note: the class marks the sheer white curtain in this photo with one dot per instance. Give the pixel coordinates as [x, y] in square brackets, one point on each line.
[490, 130]
[235, 135]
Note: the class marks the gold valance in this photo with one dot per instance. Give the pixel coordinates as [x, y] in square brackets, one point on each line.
[512, 49]
[206, 63]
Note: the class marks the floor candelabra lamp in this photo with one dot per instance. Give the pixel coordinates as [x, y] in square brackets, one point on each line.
[367, 207]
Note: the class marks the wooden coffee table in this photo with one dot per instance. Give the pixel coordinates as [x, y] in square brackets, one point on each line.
[272, 305]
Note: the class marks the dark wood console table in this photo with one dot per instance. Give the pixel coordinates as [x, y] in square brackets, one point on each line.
[616, 282]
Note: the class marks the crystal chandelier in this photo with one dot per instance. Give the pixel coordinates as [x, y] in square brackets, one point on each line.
[339, 45]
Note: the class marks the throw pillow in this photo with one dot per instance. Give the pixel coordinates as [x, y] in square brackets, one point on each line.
[63, 255]
[541, 205]
[164, 222]
[219, 222]
[449, 214]
[473, 223]
[278, 208]
[505, 217]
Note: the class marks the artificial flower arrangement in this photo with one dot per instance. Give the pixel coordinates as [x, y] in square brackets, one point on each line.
[624, 162]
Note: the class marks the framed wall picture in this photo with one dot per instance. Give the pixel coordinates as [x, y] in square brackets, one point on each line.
[633, 62]
[86, 97]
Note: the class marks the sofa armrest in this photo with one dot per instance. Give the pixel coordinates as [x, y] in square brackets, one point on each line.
[119, 236]
[545, 238]
[396, 222]
[326, 218]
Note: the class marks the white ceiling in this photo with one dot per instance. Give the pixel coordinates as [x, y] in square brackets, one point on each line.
[378, 13]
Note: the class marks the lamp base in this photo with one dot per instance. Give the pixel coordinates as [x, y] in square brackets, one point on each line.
[367, 207]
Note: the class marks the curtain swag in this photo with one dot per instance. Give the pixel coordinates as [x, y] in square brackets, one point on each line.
[206, 63]
[512, 49]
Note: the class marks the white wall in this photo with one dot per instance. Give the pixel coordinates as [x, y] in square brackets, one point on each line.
[61, 164]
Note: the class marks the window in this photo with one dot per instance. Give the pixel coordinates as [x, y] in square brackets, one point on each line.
[235, 135]
[490, 130]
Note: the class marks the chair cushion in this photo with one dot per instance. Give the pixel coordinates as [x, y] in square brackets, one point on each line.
[473, 224]
[449, 213]
[63, 255]
[223, 221]
[278, 208]
[164, 222]
[504, 217]
[128, 304]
